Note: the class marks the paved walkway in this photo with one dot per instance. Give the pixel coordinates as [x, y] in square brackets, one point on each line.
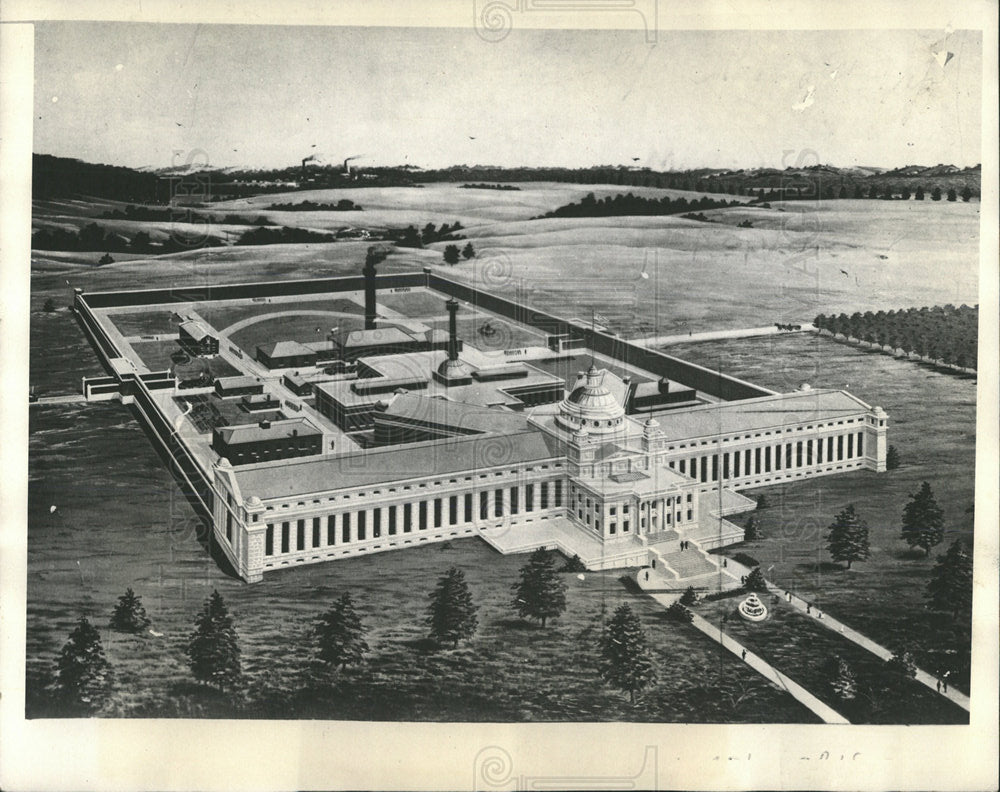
[74, 398]
[825, 713]
[716, 335]
[850, 634]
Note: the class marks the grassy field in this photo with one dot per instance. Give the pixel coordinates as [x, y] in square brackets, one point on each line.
[222, 316]
[140, 323]
[120, 520]
[291, 328]
[156, 355]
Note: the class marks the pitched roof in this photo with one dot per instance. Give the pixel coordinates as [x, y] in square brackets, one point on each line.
[380, 335]
[227, 383]
[281, 349]
[374, 466]
[458, 415]
[251, 433]
[748, 415]
[196, 330]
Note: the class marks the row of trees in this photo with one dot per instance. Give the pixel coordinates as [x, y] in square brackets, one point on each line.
[859, 191]
[179, 214]
[629, 204]
[94, 237]
[414, 238]
[283, 235]
[944, 333]
[343, 205]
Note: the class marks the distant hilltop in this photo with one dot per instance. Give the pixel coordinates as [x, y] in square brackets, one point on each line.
[61, 176]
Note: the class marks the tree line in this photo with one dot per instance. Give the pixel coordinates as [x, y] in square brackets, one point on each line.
[413, 237]
[343, 205]
[943, 333]
[630, 204]
[179, 214]
[94, 237]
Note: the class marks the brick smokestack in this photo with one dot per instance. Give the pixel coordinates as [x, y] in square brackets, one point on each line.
[369, 273]
[452, 329]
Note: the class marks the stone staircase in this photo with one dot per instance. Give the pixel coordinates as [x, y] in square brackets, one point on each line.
[688, 563]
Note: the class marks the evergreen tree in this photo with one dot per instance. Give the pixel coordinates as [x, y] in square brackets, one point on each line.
[214, 651]
[755, 581]
[843, 684]
[891, 458]
[574, 564]
[936, 194]
[848, 537]
[540, 594]
[340, 634]
[451, 254]
[966, 193]
[919, 194]
[129, 615]
[950, 586]
[83, 673]
[452, 614]
[751, 531]
[952, 196]
[625, 660]
[689, 597]
[923, 520]
[468, 251]
[679, 612]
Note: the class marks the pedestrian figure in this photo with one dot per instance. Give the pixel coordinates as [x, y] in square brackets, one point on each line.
[819, 615]
[788, 596]
[743, 579]
[744, 654]
[808, 608]
[647, 574]
[939, 686]
[724, 564]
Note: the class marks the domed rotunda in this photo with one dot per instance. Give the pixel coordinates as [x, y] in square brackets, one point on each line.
[591, 407]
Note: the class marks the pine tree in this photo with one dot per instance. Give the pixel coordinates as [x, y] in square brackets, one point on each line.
[340, 634]
[214, 651]
[848, 537]
[84, 675]
[966, 194]
[689, 597]
[950, 586]
[129, 615]
[452, 613]
[919, 195]
[755, 581]
[540, 594]
[625, 660]
[840, 678]
[751, 531]
[923, 520]
[468, 251]
[678, 612]
[574, 564]
[451, 254]
[891, 458]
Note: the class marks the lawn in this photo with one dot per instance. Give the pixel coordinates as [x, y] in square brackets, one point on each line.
[141, 323]
[222, 315]
[157, 356]
[291, 328]
[507, 335]
[799, 647]
[413, 304]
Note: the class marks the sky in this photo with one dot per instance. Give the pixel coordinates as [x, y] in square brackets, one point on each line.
[156, 95]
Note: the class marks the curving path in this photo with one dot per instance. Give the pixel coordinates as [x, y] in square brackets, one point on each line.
[237, 326]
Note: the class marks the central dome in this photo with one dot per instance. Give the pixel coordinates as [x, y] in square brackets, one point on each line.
[592, 406]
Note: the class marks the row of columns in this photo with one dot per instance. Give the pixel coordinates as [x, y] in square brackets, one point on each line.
[447, 510]
[776, 457]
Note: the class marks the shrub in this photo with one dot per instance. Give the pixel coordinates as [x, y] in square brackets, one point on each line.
[690, 596]
[677, 612]
[746, 559]
[755, 581]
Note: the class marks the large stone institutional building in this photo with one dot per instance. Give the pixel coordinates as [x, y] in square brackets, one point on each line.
[614, 470]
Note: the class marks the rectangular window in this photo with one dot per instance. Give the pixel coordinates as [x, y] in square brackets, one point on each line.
[788, 455]
[376, 523]
[861, 444]
[498, 503]
[422, 515]
[850, 446]
[829, 449]
[437, 512]
[683, 466]
[715, 467]
[269, 540]
[690, 515]
[285, 531]
[316, 532]
[625, 526]
[558, 495]
[819, 451]
[840, 447]
[362, 526]
[704, 468]
[543, 495]
[757, 467]
[736, 464]
[767, 459]
[331, 530]
[468, 507]
[798, 454]
[809, 452]
[514, 505]
[345, 527]
[484, 505]
[300, 535]
[392, 521]
[529, 497]
[407, 517]
[453, 510]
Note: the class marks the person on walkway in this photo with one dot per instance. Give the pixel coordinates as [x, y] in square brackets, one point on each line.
[808, 608]
[819, 615]
[744, 657]
[724, 563]
[939, 686]
[788, 596]
[647, 574]
[743, 579]
[944, 682]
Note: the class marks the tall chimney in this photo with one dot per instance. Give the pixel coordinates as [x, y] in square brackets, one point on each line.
[452, 305]
[369, 273]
